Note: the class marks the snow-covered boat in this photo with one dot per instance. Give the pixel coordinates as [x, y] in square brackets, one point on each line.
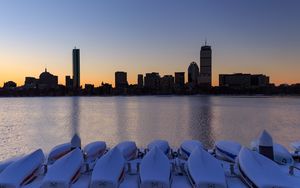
[281, 154]
[63, 149]
[155, 170]
[109, 170]
[227, 150]
[128, 149]
[65, 171]
[259, 171]
[94, 150]
[161, 144]
[58, 152]
[188, 146]
[22, 171]
[204, 170]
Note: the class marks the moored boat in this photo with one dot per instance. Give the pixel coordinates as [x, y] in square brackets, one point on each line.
[22, 171]
[109, 170]
[227, 150]
[163, 145]
[259, 171]
[94, 150]
[188, 146]
[65, 171]
[204, 170]
[128, 149]
[155, 170]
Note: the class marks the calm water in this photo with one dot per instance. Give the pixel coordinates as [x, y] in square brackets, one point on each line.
[30, 123]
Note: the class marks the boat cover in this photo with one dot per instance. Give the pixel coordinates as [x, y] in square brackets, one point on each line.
[155, 170]
[94, 150]
[128, 149]
[58, 152]
[205, 170]
[188, 146]
[64, 171]
[161, 144]
[281, 154]
[23, 170]
[261, 171]
[228, 149]
[109, 170]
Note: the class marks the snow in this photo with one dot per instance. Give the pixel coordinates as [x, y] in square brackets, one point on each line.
[263, 172]
[188, 146]
[108, 169]
[128, 149]
[59, 151]
[155, 169]
[94, 150]
[62, 172]
[228, 149]
[17, 172]
[205, 170]
[161, 144]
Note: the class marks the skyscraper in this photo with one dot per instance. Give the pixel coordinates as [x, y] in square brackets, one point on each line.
[76, 68]
[205, 66]
[121, 80]
[140, 81]
[193, 73]
[179, 79]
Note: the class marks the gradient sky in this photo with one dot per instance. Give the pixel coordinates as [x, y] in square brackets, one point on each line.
[139, 36]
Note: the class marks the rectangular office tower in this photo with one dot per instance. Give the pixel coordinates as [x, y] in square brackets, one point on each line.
[76, 68]
[205, 66]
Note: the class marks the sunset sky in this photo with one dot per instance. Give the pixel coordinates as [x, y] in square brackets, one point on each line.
[139, 36]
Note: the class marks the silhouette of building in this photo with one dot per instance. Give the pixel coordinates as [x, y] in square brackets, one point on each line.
[193, 73]
[152, 81]
[76, 68]
[69, 82]
[9, 85]
[240, 80]
[167, 84]
[140, 81]
[179, 79]
[205, 66]
[31, 82]
[47, 81]
[121, 80]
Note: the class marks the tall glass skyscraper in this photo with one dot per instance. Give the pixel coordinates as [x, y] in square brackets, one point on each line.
[205, 66]
[76, 68]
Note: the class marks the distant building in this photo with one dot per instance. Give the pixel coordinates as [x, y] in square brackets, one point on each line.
[205, 66]
[69, 82]
[47, 81]
[193, 73]
[179, 79]
[31, 82]
[140, 81]
[239, 80]
[9, 85]
[121, 80]
[89, 88]
[76, 68]
[167, 84]
[152, 81]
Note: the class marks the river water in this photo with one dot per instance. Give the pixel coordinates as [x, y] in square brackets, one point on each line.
[43, 122]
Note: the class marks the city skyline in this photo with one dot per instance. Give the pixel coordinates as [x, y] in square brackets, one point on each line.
[141, 37]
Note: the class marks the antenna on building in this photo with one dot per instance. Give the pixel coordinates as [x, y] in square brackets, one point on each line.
[46, 69]
[205, 41]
